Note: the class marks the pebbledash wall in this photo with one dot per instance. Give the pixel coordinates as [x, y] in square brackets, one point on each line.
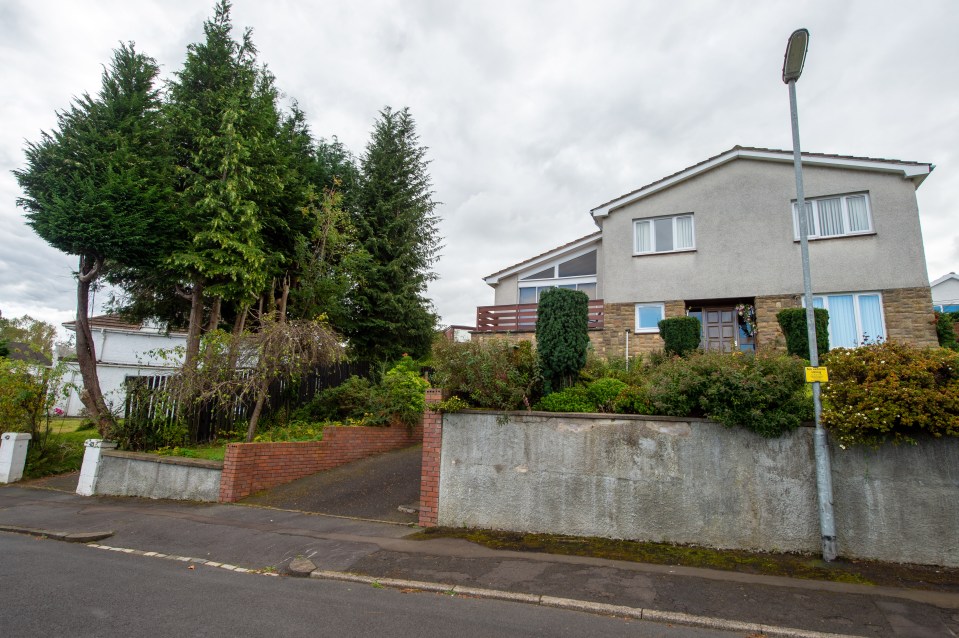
[687, 481]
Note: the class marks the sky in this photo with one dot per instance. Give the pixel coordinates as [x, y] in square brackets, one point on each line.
[533, 112]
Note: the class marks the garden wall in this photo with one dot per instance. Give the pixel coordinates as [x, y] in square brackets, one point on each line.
[691, 481]
[251, 467]
[153, 476]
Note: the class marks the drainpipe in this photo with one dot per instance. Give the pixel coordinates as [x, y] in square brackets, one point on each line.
[627, 349]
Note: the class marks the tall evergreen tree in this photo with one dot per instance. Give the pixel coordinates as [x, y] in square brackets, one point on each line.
[96, 187]
[224, 119]
[397, 227]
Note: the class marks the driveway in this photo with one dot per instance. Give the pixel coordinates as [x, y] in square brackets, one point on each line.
[373, 488]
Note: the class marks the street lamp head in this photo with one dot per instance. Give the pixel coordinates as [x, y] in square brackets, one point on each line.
[795, 55]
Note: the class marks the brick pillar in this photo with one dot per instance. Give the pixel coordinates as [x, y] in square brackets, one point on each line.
[432, 446]
[236, 480]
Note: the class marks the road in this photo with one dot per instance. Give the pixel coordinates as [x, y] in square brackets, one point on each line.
[49, 588]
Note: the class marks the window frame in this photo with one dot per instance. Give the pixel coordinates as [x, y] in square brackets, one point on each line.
[814, 232]
[652, 235]
[857, 314]
[655, 329]
[556, 281]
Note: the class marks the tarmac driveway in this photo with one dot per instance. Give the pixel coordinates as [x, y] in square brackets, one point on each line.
[373, 488]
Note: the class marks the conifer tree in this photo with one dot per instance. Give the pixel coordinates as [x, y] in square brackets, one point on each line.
[97, 187]
[397, 228]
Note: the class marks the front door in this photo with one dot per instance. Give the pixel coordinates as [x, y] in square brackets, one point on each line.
[719, 329]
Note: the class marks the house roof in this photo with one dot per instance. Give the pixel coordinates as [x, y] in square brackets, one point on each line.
[19, 351]
[951, 275]
[115, 323]
[582, 242]
[916, 171]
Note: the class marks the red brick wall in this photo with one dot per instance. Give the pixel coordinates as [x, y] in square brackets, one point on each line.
[251, 467]
[432, 445]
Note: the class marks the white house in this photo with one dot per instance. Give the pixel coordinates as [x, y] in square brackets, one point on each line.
[123, 350]
[945, 293]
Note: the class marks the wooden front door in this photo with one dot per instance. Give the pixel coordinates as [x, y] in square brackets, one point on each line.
[719, 329]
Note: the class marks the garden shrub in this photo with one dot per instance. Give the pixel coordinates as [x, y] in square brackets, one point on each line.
[493, 374]
[891, 392]
[793, 324]
[603, 393]
[946, 331]
[629, 372]
[634, 399]
[562, 336]
[398, 398]
[764, 394]
[573, 399]
[27, 398]
[681, 335]
[673, 388]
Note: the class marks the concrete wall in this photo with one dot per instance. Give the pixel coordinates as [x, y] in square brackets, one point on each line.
[152, 476]
[744, 237]
[692, 481]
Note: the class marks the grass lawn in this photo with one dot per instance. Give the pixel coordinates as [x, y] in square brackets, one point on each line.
[208, 451]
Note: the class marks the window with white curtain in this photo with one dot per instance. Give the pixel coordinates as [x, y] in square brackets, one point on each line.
[663, 234]
[855, 318]
[837, 216]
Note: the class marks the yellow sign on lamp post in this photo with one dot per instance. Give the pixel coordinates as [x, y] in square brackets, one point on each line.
[817, 374]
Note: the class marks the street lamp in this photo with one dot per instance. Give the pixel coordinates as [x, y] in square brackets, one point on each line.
[793, 63]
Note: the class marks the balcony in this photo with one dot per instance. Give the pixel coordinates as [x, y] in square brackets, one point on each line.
[522, 317]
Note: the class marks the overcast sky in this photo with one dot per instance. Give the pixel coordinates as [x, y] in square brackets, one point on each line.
[533, 112]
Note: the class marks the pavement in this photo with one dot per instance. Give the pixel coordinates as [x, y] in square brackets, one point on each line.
[247, 537]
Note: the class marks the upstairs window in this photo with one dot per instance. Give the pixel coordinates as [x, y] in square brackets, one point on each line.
[839, 216]
[575, 273]
[663, 235]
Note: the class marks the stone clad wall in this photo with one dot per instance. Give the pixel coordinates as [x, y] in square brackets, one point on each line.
[909, 316]
[697, 482]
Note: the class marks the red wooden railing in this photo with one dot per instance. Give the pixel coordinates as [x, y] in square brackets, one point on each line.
[522, 317]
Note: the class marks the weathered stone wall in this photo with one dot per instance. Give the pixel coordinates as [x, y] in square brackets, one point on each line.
[693, 481]
[769, 336]
[909, 316]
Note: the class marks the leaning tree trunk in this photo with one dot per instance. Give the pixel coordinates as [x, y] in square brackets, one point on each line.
[92, 395]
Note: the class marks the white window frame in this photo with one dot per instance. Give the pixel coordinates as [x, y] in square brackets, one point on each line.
[814, 232]
[652, 235]
[654, 329]
[554, 283]
[856, 312]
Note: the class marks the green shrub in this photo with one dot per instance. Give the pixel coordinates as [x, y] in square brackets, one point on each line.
[946, 331]
[629, 372]
[293, 431]
[350, 399]
[681, 335]
[633, 400]
[765, 394]
[793, 324]
[144, 435]
[493, 374]
[603, 393]
[891, 392]
[401, 398]
[562, 336]
[572, 399]
[673, 388]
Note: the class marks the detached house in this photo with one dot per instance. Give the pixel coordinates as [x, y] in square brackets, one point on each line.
[720, 241]
[123, 350]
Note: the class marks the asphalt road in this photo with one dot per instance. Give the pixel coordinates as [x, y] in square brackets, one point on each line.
[49, 588]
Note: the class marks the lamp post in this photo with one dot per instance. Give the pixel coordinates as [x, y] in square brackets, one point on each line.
[792, 68]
